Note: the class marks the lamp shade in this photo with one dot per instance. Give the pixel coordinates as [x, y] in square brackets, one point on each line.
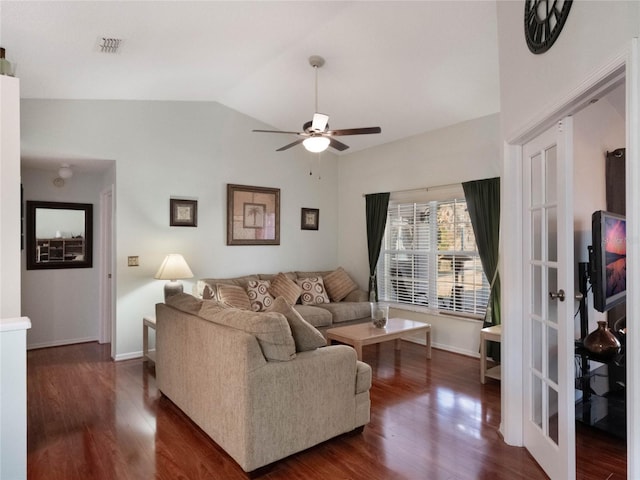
[174, 267]
[316, 144]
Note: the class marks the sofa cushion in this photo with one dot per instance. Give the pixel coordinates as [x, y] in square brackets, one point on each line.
[233, 296]
[283, 286]
[271, 329]
[206, 287]
[339, 284]
[318, 317]
[185, 303]
[347, 311]
[312, 274]
[304, 334]
[271, 276]
[259, 296]
[313, 291]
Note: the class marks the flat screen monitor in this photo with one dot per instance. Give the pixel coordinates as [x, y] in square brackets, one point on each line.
[609, 260]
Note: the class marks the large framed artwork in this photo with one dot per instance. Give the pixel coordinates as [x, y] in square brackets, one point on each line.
[253, 215]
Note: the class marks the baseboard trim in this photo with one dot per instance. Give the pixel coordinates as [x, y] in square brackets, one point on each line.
[61, 343]
[441, 346]
[128, 356]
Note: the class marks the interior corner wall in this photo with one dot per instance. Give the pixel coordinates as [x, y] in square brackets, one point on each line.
[187, 150]
[466, 151]
[62, 303]
[597, 129]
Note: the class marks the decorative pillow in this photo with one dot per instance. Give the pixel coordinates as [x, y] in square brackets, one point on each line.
[282, 286]
[233, 296]
[339, 284]
[304, 334]
[272, 331]
[259, 296]
[313, 292]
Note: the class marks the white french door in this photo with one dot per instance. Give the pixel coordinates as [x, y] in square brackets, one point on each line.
[548, 375]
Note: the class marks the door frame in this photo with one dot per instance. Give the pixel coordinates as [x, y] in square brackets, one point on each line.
[623, 67]
[107, 285]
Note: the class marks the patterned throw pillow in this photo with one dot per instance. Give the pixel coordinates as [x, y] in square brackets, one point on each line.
[313, 292]
[259, 296]
[339, 284]
[283, 286]
[233, 296]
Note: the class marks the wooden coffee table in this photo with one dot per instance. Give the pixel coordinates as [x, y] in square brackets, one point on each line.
[366, 334]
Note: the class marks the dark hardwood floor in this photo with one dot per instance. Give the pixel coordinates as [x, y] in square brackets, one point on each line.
[89, 417]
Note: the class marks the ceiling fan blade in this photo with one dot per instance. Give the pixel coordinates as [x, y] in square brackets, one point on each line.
[319, 122]
[293, 144]
[276, 131]
[337, 145]
[355, 131]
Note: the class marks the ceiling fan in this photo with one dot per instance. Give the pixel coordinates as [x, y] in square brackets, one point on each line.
[316, 135]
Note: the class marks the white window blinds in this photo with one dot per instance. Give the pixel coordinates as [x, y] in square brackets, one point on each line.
[429, 258]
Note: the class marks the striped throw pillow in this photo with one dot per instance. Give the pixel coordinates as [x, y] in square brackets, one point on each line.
[283, 286]
[339, 284]
[233, 296]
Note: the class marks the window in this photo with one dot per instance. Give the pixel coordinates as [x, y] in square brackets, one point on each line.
[429, 258]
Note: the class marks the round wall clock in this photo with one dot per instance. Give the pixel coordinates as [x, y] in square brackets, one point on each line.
[543, 22]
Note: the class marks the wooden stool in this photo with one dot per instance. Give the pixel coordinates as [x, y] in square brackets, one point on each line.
[493, 334]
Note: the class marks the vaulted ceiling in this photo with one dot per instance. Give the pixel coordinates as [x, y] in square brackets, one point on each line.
[408, 67]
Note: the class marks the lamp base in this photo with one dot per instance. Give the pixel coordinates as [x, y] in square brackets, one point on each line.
[172, 287]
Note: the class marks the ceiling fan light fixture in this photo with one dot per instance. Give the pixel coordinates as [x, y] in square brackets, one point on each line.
[316, 144]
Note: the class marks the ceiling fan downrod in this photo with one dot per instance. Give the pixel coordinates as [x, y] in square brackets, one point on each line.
[316, 62]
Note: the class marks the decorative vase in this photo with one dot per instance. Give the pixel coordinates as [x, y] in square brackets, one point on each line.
[5, 66]
[602, 342]
[379, 314]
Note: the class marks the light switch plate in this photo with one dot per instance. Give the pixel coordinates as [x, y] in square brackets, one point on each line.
[133, 261]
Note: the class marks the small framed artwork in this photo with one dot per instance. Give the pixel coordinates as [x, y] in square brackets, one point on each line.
[183, 213]
[253, 215]
[309, 218]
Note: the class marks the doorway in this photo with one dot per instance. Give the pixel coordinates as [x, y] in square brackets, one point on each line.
[623, 70]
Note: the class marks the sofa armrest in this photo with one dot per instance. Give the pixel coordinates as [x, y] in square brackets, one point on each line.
[294, 405]
[357, 296]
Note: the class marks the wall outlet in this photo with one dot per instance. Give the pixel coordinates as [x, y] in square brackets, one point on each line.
[133, 261]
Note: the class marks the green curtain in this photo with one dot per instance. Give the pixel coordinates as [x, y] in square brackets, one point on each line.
[377, 206]
[483, 204]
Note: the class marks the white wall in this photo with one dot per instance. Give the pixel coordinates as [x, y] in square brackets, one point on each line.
[595, 32]
[597, 129]
[462, 152]
[62, 303]
[13, 359]
[188, 149]
[10, 195]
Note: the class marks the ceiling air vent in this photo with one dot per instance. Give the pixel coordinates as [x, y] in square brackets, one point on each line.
[109, 44]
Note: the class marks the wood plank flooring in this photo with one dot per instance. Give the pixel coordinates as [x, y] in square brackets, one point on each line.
[89, 417]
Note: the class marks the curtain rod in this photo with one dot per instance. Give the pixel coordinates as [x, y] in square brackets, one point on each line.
[422, 189]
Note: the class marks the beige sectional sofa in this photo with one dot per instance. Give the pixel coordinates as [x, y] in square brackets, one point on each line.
[350, 309]
[259, 393]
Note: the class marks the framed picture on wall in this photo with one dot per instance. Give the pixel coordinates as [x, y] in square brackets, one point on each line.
[183, 213]
[253, 215]
[309, 218]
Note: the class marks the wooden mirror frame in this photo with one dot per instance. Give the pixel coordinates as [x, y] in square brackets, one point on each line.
[32, 242]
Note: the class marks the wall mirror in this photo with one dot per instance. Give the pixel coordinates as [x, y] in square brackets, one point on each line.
[59, 235]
